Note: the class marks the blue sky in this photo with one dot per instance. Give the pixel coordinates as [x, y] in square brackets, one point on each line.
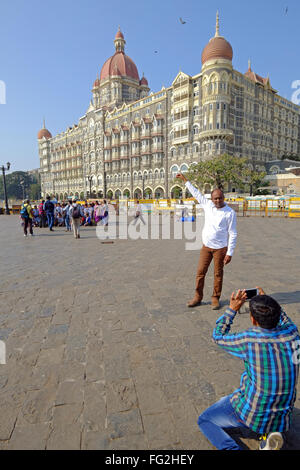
[51, 52]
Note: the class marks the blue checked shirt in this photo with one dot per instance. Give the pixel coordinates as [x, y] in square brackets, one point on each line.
[267, 391]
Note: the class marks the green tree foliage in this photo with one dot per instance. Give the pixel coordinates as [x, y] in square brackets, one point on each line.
[291, 156]
[20, 185]
[222, 169]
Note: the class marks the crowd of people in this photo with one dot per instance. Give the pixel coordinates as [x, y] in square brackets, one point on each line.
[70, 214]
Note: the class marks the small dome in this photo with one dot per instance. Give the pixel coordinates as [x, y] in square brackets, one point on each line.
[119, 34]
[44, 133]
[144, 81]
[96, 83]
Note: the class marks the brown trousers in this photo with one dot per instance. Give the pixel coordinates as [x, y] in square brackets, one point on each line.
[206, 256]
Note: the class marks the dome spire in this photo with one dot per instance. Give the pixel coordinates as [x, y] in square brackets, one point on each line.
[217, 26]
[119, 41]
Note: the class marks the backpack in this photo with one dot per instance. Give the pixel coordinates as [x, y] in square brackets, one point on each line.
[76, 212]
[23, 212]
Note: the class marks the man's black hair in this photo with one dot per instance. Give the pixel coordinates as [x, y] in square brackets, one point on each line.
[265, 310]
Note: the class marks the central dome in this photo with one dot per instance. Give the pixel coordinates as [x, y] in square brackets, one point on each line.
[217, 48]
[119, 64]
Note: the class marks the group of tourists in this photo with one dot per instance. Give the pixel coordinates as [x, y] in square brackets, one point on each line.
[70, 214]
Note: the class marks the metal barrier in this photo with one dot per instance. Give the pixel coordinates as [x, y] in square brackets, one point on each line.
[244, 207]
[294, 207]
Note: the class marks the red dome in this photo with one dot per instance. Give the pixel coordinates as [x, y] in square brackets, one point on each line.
[44, 133]
[119, 64]
[144, 81]
[217, 48]
[119, 34]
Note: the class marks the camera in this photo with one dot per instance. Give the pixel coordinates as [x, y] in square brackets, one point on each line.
[251, 293]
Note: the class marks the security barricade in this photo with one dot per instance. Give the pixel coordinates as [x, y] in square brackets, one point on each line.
[294, 207]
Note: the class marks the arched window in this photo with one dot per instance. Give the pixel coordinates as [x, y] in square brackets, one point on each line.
[184, 168]
[174, 170]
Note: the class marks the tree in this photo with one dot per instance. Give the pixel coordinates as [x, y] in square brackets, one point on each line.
[20, 185]
[255, 180]
[291, 156]
[225, 169]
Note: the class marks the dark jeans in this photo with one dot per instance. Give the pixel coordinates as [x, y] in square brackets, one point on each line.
[50, 219]
[28, 223]
[216, 419]
[68, 222]
[43, 220]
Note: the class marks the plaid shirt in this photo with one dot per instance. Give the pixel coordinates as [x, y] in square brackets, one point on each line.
[267, 391]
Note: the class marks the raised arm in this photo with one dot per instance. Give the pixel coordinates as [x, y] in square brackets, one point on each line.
[194, 191]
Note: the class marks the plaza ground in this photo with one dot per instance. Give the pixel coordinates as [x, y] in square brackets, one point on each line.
[101, 350]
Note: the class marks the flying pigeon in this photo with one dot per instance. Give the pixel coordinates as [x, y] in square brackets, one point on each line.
[181, 21]
[286, 10]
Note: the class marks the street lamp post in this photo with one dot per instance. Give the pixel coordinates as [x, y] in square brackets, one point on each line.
[4, 186]
[104, 183]
[90, 179]
[22, 183]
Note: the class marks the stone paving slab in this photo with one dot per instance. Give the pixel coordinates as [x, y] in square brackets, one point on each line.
[101, 350]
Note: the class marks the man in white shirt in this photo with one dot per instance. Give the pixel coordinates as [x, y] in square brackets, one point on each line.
[219, 240]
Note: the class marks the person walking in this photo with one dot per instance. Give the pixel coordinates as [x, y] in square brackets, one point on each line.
[66, 212]
[219, 240]
[76, 214]
[49, 210]
[138, 213]
[26, 214]
[265, 399]
[42, 214]
[104, 219]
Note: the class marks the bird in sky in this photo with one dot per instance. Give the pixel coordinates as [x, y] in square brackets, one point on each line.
[181, 21]
[155, 52]
[286, 10]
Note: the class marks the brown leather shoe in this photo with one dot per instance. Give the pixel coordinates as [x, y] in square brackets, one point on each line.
[215, 303]
[194, 303]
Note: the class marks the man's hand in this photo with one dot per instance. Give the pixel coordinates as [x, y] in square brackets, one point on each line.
[237, 300]
[227, 259]
[181, 177]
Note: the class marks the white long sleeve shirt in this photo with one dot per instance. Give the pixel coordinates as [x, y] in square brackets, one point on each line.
[220, 224]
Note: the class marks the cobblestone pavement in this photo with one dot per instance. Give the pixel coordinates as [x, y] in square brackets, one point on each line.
[101, 350]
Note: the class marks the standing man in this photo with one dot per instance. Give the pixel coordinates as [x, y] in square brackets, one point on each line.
[66, 212]
[42, 214]
[76, 214]
[219, 240]
[49, 210]
[27, 216]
